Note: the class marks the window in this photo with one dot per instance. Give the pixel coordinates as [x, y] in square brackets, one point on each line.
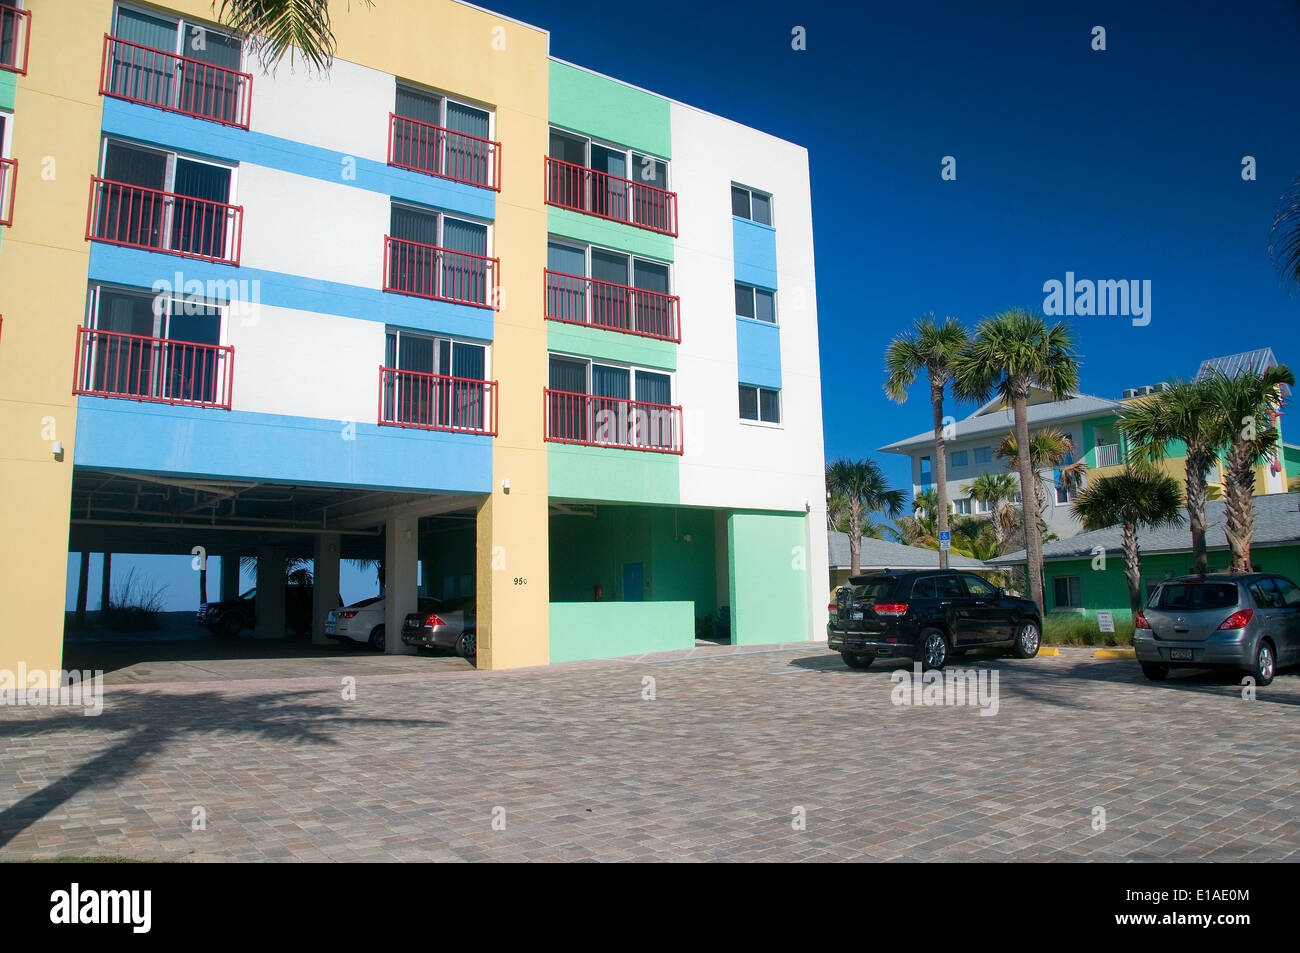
[756, 303]
[610, 289]
[613, 405]
[433, 381]
[925, 472]
[8, 171]
[148, 198]
[962, 506]
[209, 86]
[1288, 591]
[979, 588]
[948, 587]
[752, 205]
[610, 181]
[923, 588]
[1266, 594]
[959, 458]
[146, 346]
[1065, 592]
[760, 403]
[1195, 595]
[983, 454]
[433, 255]
[434, 134]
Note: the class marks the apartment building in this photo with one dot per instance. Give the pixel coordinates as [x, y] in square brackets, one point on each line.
[1090, 424]
[516, 329]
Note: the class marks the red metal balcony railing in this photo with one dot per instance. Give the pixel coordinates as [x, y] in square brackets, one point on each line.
[606, 304]
[141, 74]
[424, 147]
[440, 274]
[8, 188]
[612, 422]
[437, 402]
[15, 39]
[138, 217]
[160, 370]
[607, 196]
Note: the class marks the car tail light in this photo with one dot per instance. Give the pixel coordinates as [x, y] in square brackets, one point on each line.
[1238, 620]
[1141, 621]
[833, 607]
[891, 608]
[432, 621]
[347, 615]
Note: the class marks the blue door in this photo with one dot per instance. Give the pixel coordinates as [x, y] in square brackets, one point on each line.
[633, 582]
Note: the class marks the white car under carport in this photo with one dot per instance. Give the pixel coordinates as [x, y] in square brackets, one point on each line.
[362, 622]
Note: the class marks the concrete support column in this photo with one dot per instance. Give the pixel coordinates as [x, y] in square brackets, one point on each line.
[270, 592]
[325, 586]
[229, 587]
[401, 580]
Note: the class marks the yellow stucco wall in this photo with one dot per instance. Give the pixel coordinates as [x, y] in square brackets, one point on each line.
[43, 264]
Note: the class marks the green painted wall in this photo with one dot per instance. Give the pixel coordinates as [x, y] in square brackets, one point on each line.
[1291, 459]
[587, 630]
[768, 577]
[605, 474]
[1108, 589]
[599, 231]
[564, 338]
[609, 110]
[675, 546]
[8, 84]
[449, 553]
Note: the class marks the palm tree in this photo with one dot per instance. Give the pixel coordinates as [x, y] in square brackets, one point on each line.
[1284, 239]
[857, 488]
[1242, 409]
[996, 491]
[932, 346]
[1131, 499]
[1011, 353]
[1049, 449]
[278, 27]
[1181, 413]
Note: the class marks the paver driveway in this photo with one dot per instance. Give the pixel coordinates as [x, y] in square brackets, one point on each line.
[713, 767]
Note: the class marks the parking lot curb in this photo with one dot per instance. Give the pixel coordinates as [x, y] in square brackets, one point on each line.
[1048, 650]
[1114, 653]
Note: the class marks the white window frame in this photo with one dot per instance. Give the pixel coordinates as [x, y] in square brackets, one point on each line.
[754, 289]
[435, 338]
[161, 321]
[633, 370]
[443, 99]
[628, 151]
[778, 424]
[632, 258]
[182, 21]
[441, 217]
[1066, 579]
[750, 217]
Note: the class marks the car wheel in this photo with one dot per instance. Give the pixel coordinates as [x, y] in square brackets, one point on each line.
[857, 659]
[230, 625]
[1155, 672]
[1027, 640]
[932, 649]
[467, 646]
[377, 638]
[1265, 663]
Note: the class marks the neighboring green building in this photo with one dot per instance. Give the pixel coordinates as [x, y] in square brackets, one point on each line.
[1077, 579]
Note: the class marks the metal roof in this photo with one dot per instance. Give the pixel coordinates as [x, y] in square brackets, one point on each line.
[1256, 362]
[1001, 421]
[1277, 523]
[883, 554]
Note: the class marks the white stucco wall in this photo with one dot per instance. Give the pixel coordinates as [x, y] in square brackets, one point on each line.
[346, 111]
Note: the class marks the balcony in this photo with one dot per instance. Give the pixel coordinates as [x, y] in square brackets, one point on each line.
[15, 39]
[182, 225]
[179, 84]
[437, 402]
[8, 188]
[610, 197]
[440, 274]
[593, 421]
[614, 307]
[158, 370]
[433, 150]
[1108, 455]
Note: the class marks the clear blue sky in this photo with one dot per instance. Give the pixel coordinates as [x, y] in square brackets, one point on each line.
[1123, 164]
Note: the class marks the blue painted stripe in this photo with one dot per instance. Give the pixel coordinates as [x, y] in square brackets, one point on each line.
[240, 445]
[203, 138]
[758, 353]
[754, 250]
[141, 269]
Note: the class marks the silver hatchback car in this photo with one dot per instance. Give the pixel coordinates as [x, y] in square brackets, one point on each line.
[1246, 621]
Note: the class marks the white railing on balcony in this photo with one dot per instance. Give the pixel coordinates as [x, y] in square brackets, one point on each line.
[1108, 455]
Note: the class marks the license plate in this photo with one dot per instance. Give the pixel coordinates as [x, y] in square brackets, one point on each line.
[856, 615]
[1180, 655]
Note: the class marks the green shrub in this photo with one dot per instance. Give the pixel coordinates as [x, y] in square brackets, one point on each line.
[1067, 628]
[135, 606]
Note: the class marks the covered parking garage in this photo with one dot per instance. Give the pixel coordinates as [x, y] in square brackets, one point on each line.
[423, 543]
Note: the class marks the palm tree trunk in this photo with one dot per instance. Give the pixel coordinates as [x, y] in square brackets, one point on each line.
[83, 583]
[855, 539]
[940, 468]
[1198, 465]
[1028, 491]
[1133, 568]
[1239, 507]
[105, 580]
[203, 582]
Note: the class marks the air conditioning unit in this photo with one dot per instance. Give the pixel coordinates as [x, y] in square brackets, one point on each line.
[1161, 387]
[1146, 389]
[1129, 393]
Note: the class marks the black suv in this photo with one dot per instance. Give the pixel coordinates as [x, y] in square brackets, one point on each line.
[926, 615]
